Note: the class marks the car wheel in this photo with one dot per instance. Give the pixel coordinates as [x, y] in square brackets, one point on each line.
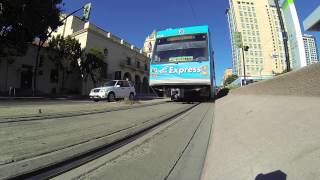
[131, 96]
[111, 97]
[95, 100]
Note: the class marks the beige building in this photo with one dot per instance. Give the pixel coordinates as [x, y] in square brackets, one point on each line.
[259, 24]
[311, 49]
[16, 72]
[149, 44]
[124, 60]
[227, 73]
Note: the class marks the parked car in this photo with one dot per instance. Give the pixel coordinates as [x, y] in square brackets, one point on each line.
[113, 90]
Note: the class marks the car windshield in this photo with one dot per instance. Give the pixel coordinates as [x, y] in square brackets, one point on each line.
[109, 83]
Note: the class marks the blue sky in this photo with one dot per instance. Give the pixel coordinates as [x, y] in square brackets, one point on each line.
[135, 20]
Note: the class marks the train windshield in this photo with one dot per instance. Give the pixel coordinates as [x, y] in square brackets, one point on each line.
[181, 49]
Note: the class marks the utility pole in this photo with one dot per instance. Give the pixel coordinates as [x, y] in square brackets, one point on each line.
[244, 48]
[284, 35]
[86, 15]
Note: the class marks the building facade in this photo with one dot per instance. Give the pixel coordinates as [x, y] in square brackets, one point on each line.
[227, 73]
[259, 25]
[311, 49]
[124, 60]
[149, 44]
[16, 72]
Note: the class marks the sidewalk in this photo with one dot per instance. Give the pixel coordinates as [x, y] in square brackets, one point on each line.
[255, 135]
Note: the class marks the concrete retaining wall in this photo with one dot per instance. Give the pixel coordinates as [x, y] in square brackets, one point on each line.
[303, 82]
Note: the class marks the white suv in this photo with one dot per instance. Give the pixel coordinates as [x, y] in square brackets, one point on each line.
[113, 90]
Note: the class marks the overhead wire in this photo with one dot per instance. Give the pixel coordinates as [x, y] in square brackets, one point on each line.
[193, 12]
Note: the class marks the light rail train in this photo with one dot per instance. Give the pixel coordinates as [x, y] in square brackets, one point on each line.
[182, 64]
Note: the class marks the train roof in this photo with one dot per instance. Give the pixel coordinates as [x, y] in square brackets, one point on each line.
[183, 31]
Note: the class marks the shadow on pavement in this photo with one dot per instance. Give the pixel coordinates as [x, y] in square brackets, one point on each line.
[276, 175]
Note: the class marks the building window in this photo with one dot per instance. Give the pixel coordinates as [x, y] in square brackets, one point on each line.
[105, 52]
[138, 64]
[117, 75]
[41, 61]
[128, 61]
[54, 75]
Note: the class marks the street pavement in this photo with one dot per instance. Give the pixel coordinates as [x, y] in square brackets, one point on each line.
[268, 130]
[28, 144]
[10, 108]
[174, 151]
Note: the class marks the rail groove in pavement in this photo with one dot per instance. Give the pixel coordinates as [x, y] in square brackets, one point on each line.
[56, 168]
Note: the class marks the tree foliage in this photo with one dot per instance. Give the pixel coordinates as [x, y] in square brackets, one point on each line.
[283, 72]
[93, 65]
[21, 21]
[67, 52]
[230, 79]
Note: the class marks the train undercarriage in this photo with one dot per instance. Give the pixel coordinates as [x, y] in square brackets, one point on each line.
[186, 93]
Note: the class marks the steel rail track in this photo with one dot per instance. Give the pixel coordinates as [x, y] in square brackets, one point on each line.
[68, 164]
[187, 145]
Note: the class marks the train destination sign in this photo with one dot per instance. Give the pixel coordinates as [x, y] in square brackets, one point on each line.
[181, 59]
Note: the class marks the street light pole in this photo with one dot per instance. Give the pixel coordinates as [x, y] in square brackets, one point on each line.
[244, 68]
[44, 39]
[244, 48]
[238, 42]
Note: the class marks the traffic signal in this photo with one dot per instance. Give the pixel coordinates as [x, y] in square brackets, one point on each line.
[86, 11]
[237, 39]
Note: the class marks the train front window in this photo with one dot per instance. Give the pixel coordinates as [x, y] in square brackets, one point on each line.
[181, 49]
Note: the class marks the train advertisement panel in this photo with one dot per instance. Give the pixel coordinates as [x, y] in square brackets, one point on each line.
[180, 73]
